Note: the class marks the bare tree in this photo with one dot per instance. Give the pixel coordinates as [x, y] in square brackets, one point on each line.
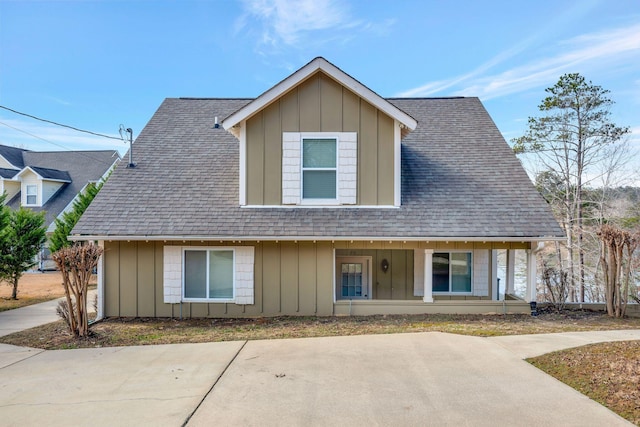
[76, 263]
[572, 140]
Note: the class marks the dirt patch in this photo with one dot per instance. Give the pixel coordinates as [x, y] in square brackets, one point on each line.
[608, 373]
[32, 288]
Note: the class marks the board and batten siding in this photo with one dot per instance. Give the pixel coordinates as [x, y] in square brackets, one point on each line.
[320, 104]
[289, 279]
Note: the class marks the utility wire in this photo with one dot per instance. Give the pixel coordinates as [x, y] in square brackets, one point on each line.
[59, 124]
[57, 145]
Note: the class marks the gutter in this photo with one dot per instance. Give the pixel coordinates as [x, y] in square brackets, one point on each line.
[184, 238]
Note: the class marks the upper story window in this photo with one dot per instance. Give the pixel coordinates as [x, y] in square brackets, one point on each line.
[319, 168]
[32, 194]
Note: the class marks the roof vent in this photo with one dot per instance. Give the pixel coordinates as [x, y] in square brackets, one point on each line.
[130, 132]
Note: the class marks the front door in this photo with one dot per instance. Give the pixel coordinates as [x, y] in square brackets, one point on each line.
[353, 277]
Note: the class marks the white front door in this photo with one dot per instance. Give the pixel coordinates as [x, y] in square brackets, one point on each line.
[353, 277]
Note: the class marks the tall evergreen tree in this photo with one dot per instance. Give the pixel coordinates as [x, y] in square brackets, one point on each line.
[58, 239]
[20, 241]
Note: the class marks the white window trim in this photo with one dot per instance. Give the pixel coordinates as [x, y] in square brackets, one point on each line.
[208, 249]
[26, 195]
[434, 292]
[320, 135]
[346, 169]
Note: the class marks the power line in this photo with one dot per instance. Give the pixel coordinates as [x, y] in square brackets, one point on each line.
[57, 145]
[59, 124]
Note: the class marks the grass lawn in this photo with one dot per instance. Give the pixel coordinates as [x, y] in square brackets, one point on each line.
[608, 373]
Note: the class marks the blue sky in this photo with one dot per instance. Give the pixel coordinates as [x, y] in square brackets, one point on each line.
[98, 64]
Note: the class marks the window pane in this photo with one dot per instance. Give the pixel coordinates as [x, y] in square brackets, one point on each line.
[195, 274]
[32, 190]
[318, 184]
[221, 274]
[461, 272]
[319, 153]
[440, 272]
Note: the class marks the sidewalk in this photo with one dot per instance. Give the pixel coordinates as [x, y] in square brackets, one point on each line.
[34, 315]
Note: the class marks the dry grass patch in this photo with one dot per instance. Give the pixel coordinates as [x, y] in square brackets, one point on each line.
[144, 331]
[33, 288]
[608, 373]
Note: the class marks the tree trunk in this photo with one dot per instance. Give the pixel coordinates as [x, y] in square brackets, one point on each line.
[14, 292]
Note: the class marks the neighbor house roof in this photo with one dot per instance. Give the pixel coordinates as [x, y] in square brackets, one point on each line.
[74, 168]
[460, 180]
[13, 155]
[8, 173]
[48, 174]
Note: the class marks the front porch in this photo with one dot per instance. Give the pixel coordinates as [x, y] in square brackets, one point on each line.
[444, 277]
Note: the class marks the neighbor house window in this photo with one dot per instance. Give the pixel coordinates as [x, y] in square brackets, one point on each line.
[319, 168]
[32, 194]
[452, 272]
[208, 274]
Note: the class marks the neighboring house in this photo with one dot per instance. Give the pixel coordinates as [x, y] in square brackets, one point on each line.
[319, 197]
[50, 181]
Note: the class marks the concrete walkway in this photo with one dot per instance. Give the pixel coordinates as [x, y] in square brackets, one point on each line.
[419, 379]
[34, 315]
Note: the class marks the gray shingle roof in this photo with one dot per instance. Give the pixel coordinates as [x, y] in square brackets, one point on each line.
[52, 174]
[80, 167]
[13, 155]
[459, 179]
[8, 173]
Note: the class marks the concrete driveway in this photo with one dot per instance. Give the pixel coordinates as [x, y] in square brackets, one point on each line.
[405, 379]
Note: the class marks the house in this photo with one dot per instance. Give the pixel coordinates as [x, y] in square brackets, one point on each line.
[50, 181]
[318, 197]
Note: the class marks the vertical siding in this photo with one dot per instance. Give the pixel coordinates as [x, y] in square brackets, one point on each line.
[272, 155]
[290, 279]
[255, 160]
[320, 104]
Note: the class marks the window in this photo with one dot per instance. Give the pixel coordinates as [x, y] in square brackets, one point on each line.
[208, 274]
[452, 272]
[319, 168]
[32, 194]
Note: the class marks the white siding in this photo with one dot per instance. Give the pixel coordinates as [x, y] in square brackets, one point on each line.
[244, 274]
[481, 272]
[172, 274]
[347, 167]
[291, 179]
[48, 189]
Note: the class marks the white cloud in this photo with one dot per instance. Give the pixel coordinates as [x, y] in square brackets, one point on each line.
[287, 23]
[588, 51]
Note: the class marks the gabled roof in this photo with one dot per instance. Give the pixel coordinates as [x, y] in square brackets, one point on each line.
[319, 64]
[13, 155]
[80, 167]
[460, 180]
[47, 174]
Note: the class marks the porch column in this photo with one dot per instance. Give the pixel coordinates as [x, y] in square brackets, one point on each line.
[511, 272]
[100, 287]
[428, 275]
[531, 293]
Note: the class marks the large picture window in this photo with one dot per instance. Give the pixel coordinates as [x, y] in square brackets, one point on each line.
[452, 272]
[208, 274]
[319, 168]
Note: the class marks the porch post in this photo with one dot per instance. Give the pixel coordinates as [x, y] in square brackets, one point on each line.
[511, 271]
[531, 294]
[100, 287]
[428, 275]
